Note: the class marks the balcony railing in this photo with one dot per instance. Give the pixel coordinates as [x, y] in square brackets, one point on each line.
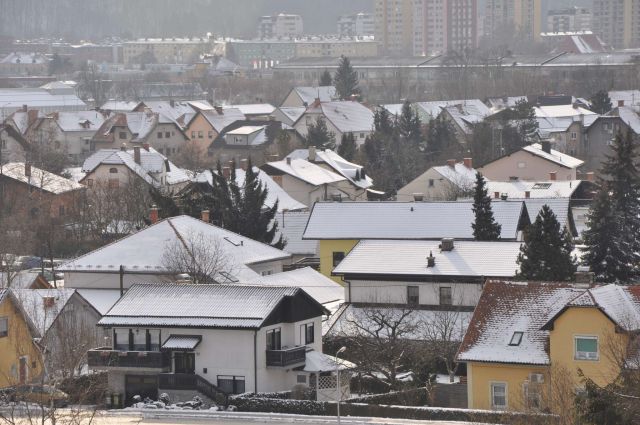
[286, 357]
[106, 357]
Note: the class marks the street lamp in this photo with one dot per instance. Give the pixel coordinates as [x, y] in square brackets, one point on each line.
[338, 387]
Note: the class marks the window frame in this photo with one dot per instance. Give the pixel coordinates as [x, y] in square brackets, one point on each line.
[274, 339]
[575, 348]
[235, 380]
[440, 296]
[4, 333]
[307, 330]
[492, 386]
[410, 297]
[336, 254]
[516, 338]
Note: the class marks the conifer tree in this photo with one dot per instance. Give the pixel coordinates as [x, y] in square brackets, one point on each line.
[409, 125]
[546, 253]
[318, 135]
[485, 227]
[346, 79]
[601, 102]
[348, 146]
[611, 239]
[325, 79]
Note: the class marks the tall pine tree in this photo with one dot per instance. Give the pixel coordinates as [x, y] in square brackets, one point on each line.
[484, 227]
[601, 102]
[613, 227]
[318, 135]
[348, 146]
[547, 251]
[346, 79]
[325, 79]
[409, 125]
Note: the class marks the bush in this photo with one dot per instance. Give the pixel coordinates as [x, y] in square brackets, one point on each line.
[412, 397]
[86, 389]
[278, 405]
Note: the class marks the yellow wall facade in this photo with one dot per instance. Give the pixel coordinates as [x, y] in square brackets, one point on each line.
[327, 248]
[18, 343]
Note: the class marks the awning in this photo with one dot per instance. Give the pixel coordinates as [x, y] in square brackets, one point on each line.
[182, 342]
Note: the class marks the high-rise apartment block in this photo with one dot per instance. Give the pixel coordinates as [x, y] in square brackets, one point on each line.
[524, 17]
[358, 24]
[279, 26]
[441, 26]
[394, 26]
[617, 22]
[572, 19]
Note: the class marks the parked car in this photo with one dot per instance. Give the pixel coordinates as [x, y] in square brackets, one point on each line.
[45, 395]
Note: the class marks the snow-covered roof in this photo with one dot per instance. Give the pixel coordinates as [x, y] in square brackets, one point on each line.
[409, 258]
[559, 206]
[20, 280]
[348, 116]
[20, 119]
[176, 109]
[196, 306]
[37, 98]
[557, 111]
[291, 225]
[469, 106]
[246, 130]
[352, 320]
[220, 121]
[630, 117]
[24, 58]
[393, 108]
[554, 156]
[100, 299]
[41, 179]
[306, 171]
[293, 113]
[627, 97]
[337, 163]
[460, 175]
[508, 307]
[120, 105]
[320, 287]
[253, 108]
[500, 103]
[143, 252]
[405, 220]
[536, 189]
[275, 192]
[78, 120]
[41, 314]
[309, 94]
[316, 361]
[465, 117]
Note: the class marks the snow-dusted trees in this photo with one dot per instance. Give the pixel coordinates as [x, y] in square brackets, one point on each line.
[485, 227]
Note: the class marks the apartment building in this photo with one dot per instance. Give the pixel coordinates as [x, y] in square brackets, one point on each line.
[523, 16]
[280, 25]
[164, 50]
[571, 19]
[440, 26]
[617, 22]
[393, 23]
[358, 24]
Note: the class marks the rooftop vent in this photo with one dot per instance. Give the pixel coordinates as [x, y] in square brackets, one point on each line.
[431, 260]
[446, 244]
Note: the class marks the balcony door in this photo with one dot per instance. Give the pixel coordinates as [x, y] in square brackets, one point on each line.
[184, 362]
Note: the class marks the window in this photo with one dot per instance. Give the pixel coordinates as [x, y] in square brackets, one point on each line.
[431, 182]
[231, 384]
[210, 134]
[61, 210]
[90, 182]
[499, 395]
[445, 296]
[307, 334]
[122, 135]
[266, 272]
[522, 165]
[200, 134]
[4, 326]
[159, 134]
[193, 134]
[167, 134]
[273, 339]
[413, 295]
[586, 347]
[541, 186]
[516, 338]
[301, 379]
[362, 135]
[337, 257]
[113, 170]
[574, 135]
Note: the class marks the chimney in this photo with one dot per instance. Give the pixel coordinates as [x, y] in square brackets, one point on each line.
[468, 162]
[546, 146]
[244, 163]
[153, 214]
[25, 108]
[504, 196]
[27, 169]
[527, 194]
[205, 216]
[288, 160]
[590, 176]
[123, 147]
[49, 302]
[136, 154]
[312, 154]
[575, 105]
[583, 275]
[145, 146]
[167, 167]
[496, 195]
[431, 260]
[451, 163]
[620, 103]
[553, 175]
[219, 110]
[32, 116]
[226, 173]
[316, 102]
[418, 197]
[446, 244]
[172, 103]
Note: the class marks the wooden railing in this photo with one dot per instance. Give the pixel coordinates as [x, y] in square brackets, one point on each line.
[286, 357]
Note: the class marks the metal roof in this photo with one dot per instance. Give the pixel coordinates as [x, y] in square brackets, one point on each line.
[187, 305]
[291, 225]
[317, 285]
[409, 258]
[348, 116]
[405, 220]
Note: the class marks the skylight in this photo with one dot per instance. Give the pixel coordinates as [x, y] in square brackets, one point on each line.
[516, 338]
[541, 186]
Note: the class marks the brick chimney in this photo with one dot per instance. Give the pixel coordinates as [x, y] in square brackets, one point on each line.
[32, 116]
[553, 175]
[546, 146]
[312, 154]
[27, 169]
[136, 154]
[288, 160]
[527, 194]
[590, 176]
[620, 102]
[226, 173]
[145, 146]
[219, 110]
[25, 108]
[123, 147]
[316, 103]
[244, 163]
[468, 162]
[205, 216]
[496, 195]
[451, 163]
[153, 214]
[48, 302]
[431, 260]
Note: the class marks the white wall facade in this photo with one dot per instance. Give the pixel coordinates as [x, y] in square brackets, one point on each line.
[525, 166]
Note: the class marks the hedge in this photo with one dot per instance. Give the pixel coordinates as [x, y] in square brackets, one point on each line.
[412, 397]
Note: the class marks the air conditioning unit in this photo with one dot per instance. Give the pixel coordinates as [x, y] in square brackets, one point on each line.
[536, 378]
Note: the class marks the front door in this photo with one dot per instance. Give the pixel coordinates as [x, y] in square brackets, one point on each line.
[184, 362]
[142, 385]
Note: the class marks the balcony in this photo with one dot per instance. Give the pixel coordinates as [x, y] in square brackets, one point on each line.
[294, 356]
[101, 358]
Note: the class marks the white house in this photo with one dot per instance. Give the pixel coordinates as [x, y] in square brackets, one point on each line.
[212, 339]
[341, 117]
[441, 183]
[13, 146]
[306, 95]
[142, 256]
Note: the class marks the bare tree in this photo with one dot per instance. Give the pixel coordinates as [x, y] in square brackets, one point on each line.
[199, 256]
[442, 334]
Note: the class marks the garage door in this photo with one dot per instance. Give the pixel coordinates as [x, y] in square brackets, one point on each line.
[142, 385]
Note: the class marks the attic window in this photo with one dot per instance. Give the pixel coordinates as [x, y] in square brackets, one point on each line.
[541, 186]
[516, 338]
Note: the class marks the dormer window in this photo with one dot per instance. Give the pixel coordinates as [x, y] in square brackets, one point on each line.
[516, 338]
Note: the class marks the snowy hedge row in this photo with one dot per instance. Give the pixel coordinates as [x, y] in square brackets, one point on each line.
[278, 405]
[413, 397]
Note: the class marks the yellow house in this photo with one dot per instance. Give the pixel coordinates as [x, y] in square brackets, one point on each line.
[203, 127]
[339, 226]
[528, 343]
[20, 358]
